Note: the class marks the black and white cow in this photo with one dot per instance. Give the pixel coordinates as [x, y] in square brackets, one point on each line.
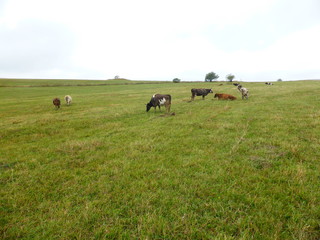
[269, 83]
[158, 100]
[200, 92]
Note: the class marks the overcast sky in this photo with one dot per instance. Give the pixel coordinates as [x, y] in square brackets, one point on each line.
[256, 40]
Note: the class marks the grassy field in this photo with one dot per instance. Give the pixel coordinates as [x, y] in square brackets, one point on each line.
[103, 168]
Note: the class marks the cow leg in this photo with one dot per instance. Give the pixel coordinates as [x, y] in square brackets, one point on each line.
[167, 107]
[202, 97]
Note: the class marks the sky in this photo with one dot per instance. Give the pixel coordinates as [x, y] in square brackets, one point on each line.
[160, 40]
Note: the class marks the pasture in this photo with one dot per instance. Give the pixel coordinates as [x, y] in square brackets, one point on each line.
[103, 168]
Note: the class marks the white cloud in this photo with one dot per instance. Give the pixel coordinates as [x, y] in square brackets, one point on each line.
[146, 39]
[292, 54]
[33, 46]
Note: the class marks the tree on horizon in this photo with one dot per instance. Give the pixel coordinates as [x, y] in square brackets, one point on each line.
[211, 76]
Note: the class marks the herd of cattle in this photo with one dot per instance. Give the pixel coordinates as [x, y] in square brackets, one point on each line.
[159, 100]
[57, 102]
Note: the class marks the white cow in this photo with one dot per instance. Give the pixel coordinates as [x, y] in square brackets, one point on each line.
[68, 99]
[244, 92]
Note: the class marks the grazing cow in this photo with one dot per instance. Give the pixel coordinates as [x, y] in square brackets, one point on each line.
[158, 100]
[56, 103]
[269, 83]
[244, 91]
[224, 96]
[68, 99]
[200, 92]
[236, 84]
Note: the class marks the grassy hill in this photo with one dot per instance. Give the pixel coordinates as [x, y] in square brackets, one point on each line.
[103, 168]
[7, 82]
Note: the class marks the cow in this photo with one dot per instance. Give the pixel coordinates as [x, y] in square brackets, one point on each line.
[224, 96]
[269, 83]
[200, 92]
[68, 99]
[236, 84]
[56, 103]
[158, 100]
[244, 92]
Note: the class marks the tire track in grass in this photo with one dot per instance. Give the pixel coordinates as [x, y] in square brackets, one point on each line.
[241, 138]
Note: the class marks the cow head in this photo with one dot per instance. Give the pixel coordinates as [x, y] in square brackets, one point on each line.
[216, 95]
[210, 90]
[148, 105]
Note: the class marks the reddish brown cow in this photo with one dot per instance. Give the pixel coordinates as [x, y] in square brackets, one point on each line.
[56, 103]
[224, 96]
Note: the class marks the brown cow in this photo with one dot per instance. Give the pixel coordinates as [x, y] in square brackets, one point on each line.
[56, 103]
[224, 96]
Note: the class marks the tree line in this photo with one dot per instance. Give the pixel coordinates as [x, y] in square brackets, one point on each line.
[213, 76]
[210, 77]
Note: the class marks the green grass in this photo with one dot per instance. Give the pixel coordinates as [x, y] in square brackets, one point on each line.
[103, 168]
